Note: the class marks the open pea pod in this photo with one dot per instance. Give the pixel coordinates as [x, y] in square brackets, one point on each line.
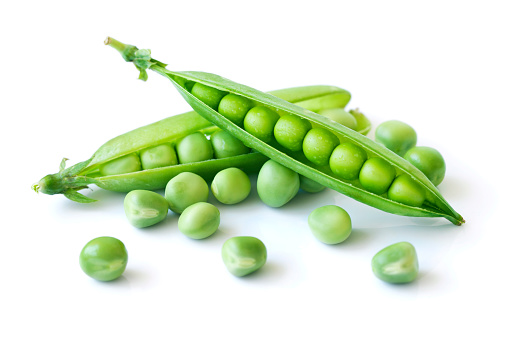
[433, 204]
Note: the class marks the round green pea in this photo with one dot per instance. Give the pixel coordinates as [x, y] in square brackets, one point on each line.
[310, 186]
[260, 122]
[199, 220]
[376, 175]
[145, 208]
[347, 160]
[104, 258]
[126, 164]
[429, 161]
[193, 148]
[330, 224]
[158, 156]
[341, 116]
[226, 145]
[277, 184]
[290, 131]
[234, 108]
[208, 95]
[407, 191]
[396, 263]
[318, 145]
[243, 255]
[184, 190]
[231, 186]
[396, 135]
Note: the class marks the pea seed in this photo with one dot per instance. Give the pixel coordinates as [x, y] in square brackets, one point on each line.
[376, 175]
[243, 255]
[234, 108]
[231, 186]
[346, 161]
[276, 184]
[158, 156]
[341, 116]
[126, 164]
[290, 131]
[429, 161]
[318, 145]
[145, 208]
[199, 220]
[330, 224]
[396, 263]
[184, 190]
[406, 191]
[104, 258]
[310, 186]
[260, 122]
[193, 148]
[208, 95]
[396, 135]
[225, 145]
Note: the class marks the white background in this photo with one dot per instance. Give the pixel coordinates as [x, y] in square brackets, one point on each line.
[440, 66]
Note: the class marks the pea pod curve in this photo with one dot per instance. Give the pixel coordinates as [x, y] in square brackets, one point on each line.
[434, 204]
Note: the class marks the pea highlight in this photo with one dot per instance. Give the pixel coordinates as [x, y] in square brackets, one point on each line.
[145, 208]
[184, 190]
[396, 135]
[429, 161]
[276, 184]
[231, 186]
[199, 221]
[243, 255]
[104, 258]
[330, 224]
[396, 264]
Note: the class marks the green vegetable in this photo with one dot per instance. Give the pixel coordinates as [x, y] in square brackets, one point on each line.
[194, 148]
[158, 156]
[225, 145]
[285, 151]
[310, 186]
[260, 122]
[104, 258]
[184, 190]
[396, 263]
[330, 224]
[376, 175]
[276, 184]
[243, 255]
[347, 160]
[126, 164]
[231, 186]
[199, 220]
[397, 136]
[145, 208]
[234, 108]
[407, 191]
[341, 116]
[318, 145]
[429, 161]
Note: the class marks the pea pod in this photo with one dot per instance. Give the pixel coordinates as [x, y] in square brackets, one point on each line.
[434, 204]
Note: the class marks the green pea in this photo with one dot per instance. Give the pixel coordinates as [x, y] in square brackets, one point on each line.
[330, 224]
[376, 175]
[318, 145]
[341, 116]
[260, 122]
[396, 263]
[193, 148]
[226, 145]
[208, 95]
[104, 258]
[290, 131]
[310, 186]
[397, 136]
[145, 208]
[158, 156]
[199, 220]
[243, 255]
[406, 191]
[231, 186]
[276, 184]
[126, 164]
[184, 190]
[234, 108]
[429, 161]
[346, 161]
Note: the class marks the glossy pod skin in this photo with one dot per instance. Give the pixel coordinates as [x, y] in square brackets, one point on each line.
[434, 205]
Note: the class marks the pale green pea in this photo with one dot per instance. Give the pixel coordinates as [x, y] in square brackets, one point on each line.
[243, 255]
[193, 148]
[104, 258]
[407, 191]
[260, 122]
[199, 220]
[341, 116]
[184, 190]
[208, 95]
[396, 263]
[126, 164]
[396, 135]
[234, 108]
[429, 161]
[158, 156]
[310, 186]
[346, 161]
[145, 208]
[318, 145]
[231, 186]
[330, 224]
[376, 175]
[226, 145]
[290, 131]
[277, 184]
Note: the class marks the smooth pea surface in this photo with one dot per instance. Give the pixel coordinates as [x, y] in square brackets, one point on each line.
[276, 184]
[199, 220]
[193, 148]
[376, 175]
[396, 263]
[234, 108]
[290, 131]
[145, 208]
[104, 258]
[209, 95]
[341, 116]
[318, 145]
[226, 145]
[406, 191]
[231, 186]
[243, 255]
[330, 224]
[126, 164]
[184, 190]
[429, 161]
[396, 135]
[260, 122]
[346, 161]
[158, 156]
[310, 186]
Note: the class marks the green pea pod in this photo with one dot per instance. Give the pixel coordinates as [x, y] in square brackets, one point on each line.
[434, 204]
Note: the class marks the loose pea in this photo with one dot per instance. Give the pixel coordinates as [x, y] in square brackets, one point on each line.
[318, 145]
[341, 116]
[226, 145]
[126, 164]
[290, 131]
[145, 208]
[158, 156]
[376, 175]
[260, 122]
[234, 108]
[429, 161]
[346, 161]
[231, 186]
[397, 136]
[184, 190]
[310, 186]
[276, 184]
[209, 95]
[243, 255]
[396, 263]
[193, 148]
[330, 224]
[199, 220]
[104, 258]
[406, 191]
